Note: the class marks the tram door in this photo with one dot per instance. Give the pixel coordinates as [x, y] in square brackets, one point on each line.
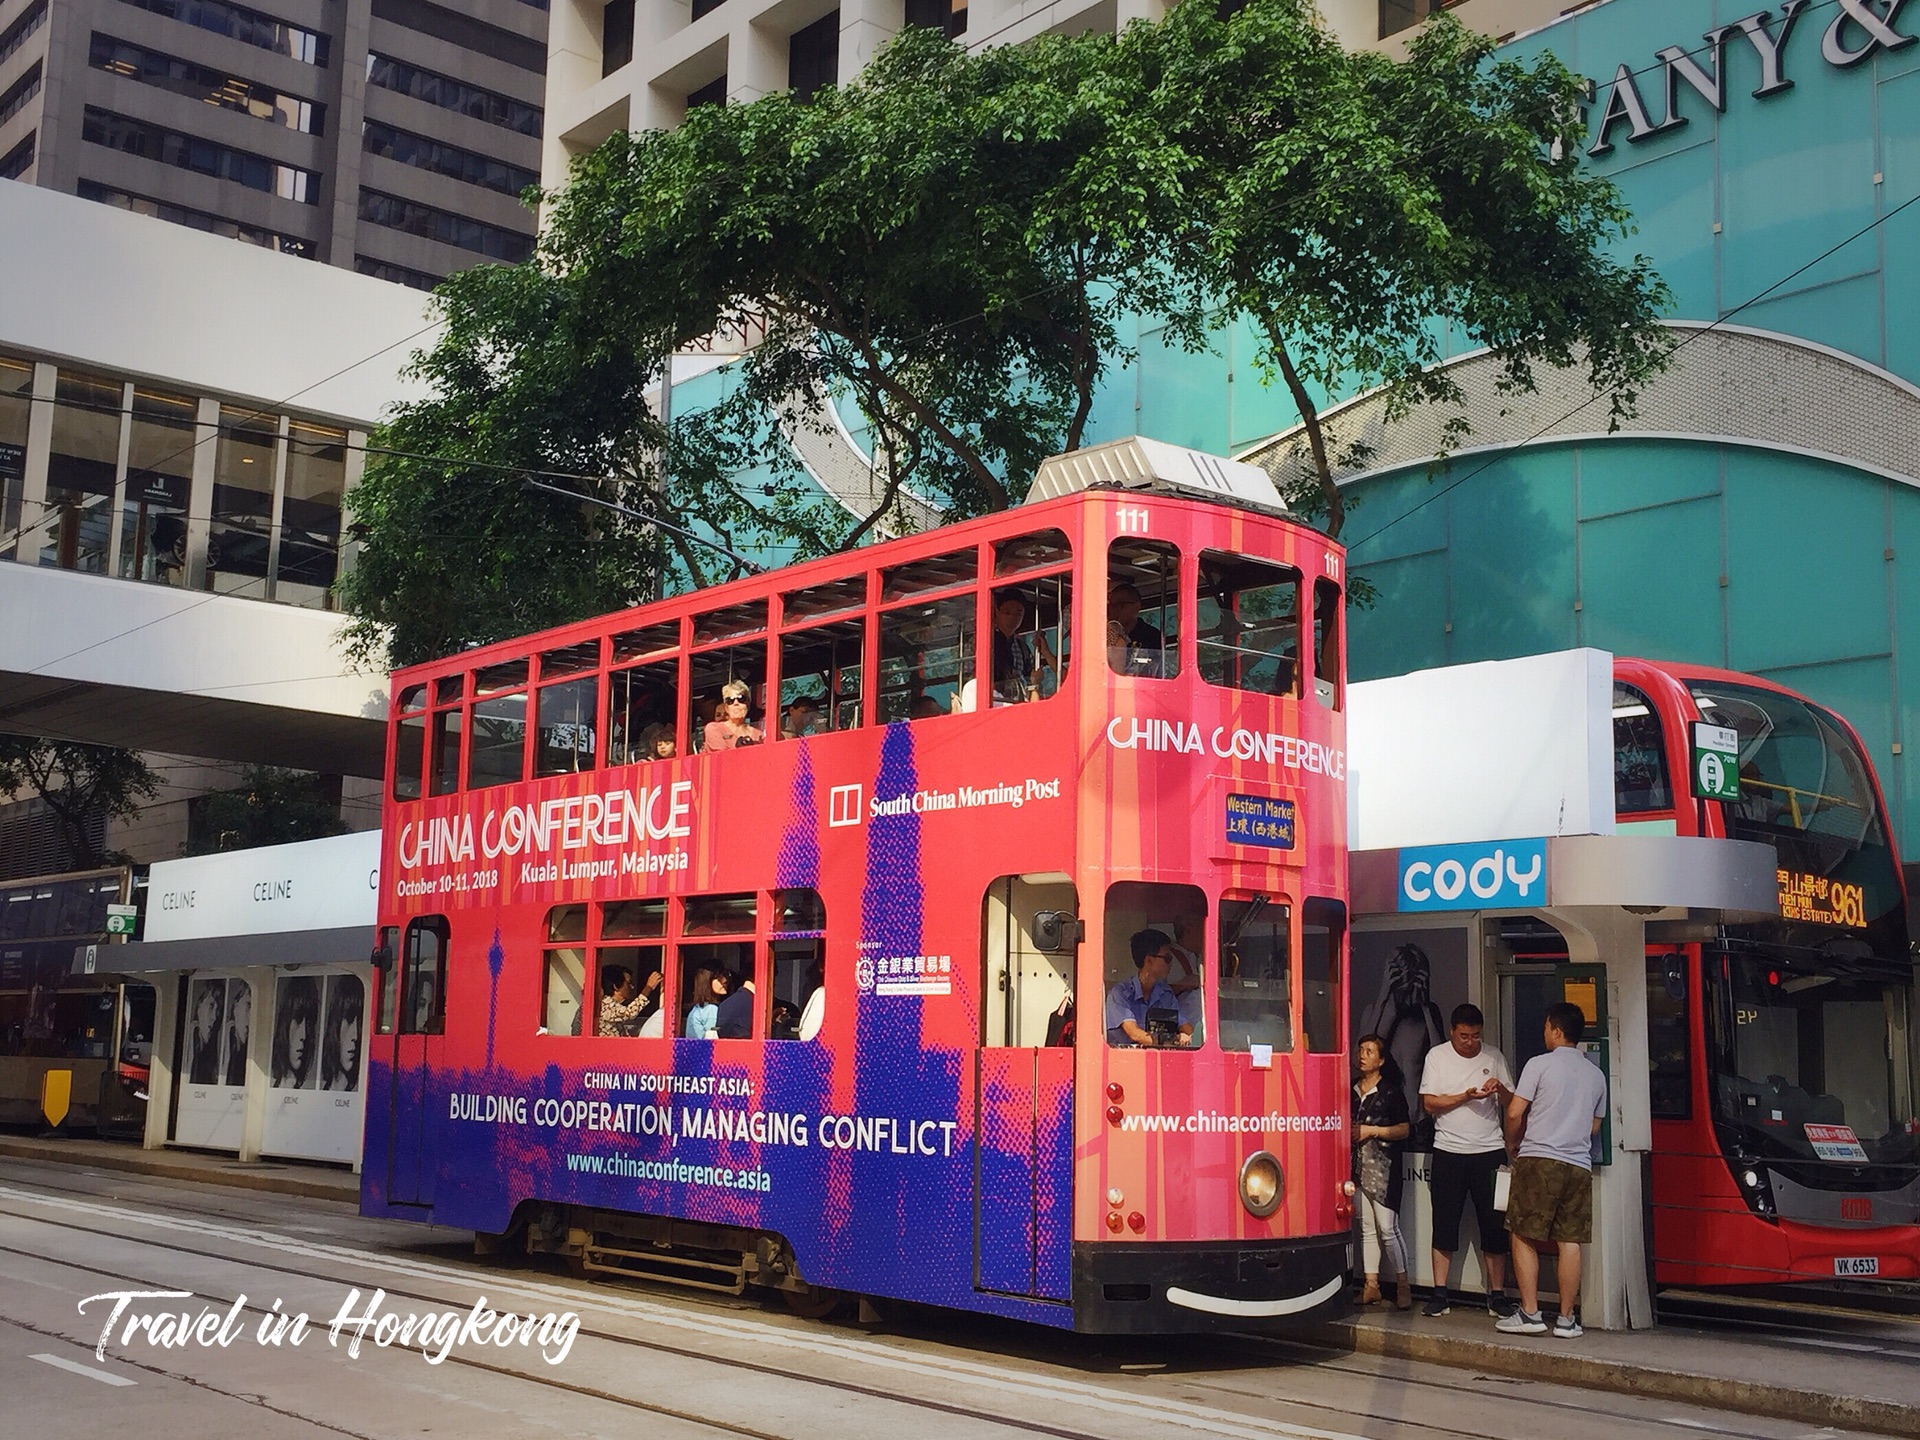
[416, 1057]
[1023, 1119]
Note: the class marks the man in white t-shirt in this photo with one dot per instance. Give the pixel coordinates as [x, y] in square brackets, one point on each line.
[1464, 1085]
[1551, 1120]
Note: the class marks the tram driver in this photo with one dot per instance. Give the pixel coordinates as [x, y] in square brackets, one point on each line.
[1143, 1010]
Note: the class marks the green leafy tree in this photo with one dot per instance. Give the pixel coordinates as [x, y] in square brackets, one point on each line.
[273, 807]
[80, 785]
[1351, 207]
[956, 243]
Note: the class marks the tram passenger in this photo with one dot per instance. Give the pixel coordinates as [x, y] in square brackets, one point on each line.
[656, 743]
[1016, 665]
[1133, 646]
[801, 717]
[624, 1007]
[1142, 1010]
[732, 729]
[709, 989]
[926, 708]
[1464, 1085]
[1381, 1126]
[814, 1013]
[735, 1018]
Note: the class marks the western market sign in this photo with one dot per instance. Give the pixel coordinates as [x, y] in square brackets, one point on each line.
[1857, 31]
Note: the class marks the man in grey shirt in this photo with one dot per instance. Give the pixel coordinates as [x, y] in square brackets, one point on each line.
[1551, 1121]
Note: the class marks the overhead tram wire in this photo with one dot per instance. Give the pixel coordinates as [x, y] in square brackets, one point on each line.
[1692, 335]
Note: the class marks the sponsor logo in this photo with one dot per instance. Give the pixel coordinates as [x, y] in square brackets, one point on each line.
[1471, 877]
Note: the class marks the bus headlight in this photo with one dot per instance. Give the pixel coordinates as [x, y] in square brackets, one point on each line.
[1263, 1185]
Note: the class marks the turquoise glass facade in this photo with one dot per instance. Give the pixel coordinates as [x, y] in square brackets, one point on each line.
[1785, 564]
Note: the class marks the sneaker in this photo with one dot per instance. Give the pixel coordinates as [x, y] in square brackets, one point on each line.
[1499, 1306]
[1521, 1323]
[1567, 1327]
[1436, 1306]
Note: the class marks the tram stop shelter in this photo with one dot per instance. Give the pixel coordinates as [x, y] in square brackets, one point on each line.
[1488, 867]
[261, 962]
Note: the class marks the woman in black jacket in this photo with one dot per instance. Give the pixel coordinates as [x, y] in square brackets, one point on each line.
[1380, 1130]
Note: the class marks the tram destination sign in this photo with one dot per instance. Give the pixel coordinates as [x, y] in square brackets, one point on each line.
[1260, 820]
[1716, 762]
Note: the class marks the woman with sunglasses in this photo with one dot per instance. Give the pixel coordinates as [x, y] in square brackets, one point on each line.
[731, 728]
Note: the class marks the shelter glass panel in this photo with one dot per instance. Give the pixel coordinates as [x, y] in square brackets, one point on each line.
[310, 514]
[242, 531]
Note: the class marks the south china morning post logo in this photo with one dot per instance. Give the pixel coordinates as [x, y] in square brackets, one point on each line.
[1471, 877]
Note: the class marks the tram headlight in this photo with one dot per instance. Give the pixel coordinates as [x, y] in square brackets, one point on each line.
[1263, 1184]
[1751, 1180]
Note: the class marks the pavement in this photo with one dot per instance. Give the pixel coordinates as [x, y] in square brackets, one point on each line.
[1863, 1375]
[1851, 1371]
[280, 1177]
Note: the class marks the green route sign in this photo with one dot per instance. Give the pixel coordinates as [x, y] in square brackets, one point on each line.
[1716, 762]
[120, 919]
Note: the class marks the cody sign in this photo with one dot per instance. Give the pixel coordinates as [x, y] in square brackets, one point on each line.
[1482, 876]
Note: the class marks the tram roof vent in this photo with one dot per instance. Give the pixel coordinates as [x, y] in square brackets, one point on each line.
[1138, 463]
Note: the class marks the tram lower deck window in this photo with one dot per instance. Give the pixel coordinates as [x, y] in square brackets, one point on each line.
[1255, 974]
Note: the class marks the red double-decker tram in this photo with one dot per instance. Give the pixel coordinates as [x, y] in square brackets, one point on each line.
[1786, 1118]
[813, 992]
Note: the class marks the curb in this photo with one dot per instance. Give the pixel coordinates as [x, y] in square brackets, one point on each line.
[1779, 1402]
[155, 1164]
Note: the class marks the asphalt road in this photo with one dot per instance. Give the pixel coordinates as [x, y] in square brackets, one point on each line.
[625, 1361]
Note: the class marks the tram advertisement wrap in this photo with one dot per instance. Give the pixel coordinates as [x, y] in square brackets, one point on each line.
[930, 1141]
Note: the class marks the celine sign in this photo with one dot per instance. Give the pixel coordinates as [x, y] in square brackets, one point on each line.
[1857, 31]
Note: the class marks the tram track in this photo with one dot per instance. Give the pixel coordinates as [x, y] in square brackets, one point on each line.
[1798, 1322]
[1184, 1414]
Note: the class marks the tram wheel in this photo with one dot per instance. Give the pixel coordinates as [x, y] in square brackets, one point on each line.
[816, 1302]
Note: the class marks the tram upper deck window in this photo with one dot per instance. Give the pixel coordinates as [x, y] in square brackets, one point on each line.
[1326, 643]
[1249, 624]
[719, 680]
[1255, 974]
[449, 724]
[409, 742]
[923, 577]
[1031, 639]
[817, 602]
[643, 707]
[1640, 780]
[926, 658]
[1042, 550]
[497, 749]
[731, 622]
[821, 672]
[1143, 609]
[567, 713]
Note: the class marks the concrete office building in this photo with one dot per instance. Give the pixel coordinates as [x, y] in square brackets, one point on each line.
[638, 64]
[182, 423]
[389, 136]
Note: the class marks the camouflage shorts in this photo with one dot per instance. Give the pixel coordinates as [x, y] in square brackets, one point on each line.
[1550, 1200]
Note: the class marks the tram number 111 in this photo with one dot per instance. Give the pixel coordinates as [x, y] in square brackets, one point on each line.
[1133, 519]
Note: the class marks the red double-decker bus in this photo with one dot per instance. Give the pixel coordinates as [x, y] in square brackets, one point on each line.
[783, 934]
[1784, 1053]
